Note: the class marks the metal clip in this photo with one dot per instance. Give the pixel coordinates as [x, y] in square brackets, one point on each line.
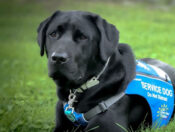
[71, 98]
[70, 108]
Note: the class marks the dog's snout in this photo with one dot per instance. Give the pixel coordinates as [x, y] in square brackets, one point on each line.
[59, 57]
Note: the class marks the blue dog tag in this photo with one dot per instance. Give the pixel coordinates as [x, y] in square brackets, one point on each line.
[70, 115]
[76, 118]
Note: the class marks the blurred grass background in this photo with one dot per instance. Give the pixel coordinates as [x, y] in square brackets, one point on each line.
[27, 95]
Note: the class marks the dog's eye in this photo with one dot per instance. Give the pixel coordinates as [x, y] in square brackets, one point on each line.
[53, 34]
[79, 36]
[61, 29]
[82, 37]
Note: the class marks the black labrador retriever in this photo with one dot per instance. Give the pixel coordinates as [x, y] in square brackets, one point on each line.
[92, 72]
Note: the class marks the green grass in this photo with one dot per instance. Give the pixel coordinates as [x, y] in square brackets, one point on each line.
[27, 95]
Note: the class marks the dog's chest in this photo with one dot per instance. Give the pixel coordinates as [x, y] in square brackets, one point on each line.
[155, 86]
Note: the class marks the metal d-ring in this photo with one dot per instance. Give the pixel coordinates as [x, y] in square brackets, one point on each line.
[71, 98]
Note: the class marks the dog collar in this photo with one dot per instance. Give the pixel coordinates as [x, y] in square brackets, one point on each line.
[93, 81]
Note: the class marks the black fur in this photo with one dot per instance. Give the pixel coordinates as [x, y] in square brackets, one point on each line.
[81, 42]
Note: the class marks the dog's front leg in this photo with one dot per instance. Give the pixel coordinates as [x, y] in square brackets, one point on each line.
[62, 123]
[115, 119]
[103, 127]
[108, 124]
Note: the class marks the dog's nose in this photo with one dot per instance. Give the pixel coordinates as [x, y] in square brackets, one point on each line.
[59, 57]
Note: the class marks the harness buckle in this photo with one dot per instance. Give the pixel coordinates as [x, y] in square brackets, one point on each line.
[103, 106]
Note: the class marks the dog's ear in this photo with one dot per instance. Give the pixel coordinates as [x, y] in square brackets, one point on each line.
[109, 36]
[42, 32]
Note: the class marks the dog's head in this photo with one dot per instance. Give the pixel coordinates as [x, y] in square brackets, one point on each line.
[77, 45]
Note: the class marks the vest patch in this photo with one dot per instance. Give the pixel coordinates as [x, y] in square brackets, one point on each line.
[155, 86]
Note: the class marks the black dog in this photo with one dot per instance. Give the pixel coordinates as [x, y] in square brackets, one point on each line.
[81, 46]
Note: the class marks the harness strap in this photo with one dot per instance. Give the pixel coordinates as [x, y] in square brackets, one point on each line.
[103, 106]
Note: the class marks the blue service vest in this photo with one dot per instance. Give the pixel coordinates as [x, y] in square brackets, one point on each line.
[155, 86]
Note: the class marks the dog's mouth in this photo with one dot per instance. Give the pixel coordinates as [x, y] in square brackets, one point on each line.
[73, 79]
[55, 76]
